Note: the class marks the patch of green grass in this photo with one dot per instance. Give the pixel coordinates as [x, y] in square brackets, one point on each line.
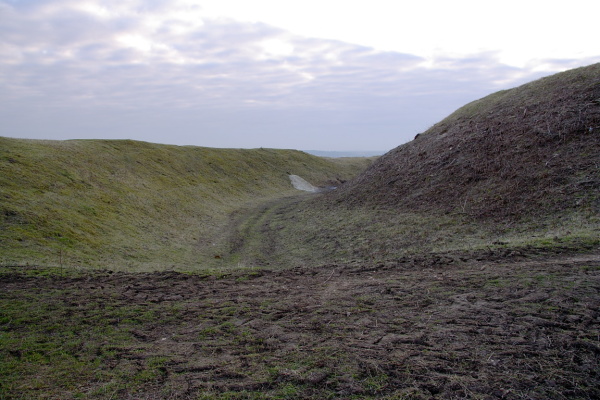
[375, 383]
[497, 282]
[591, 268]
[50, 344]
[154, 370]
[40, 353]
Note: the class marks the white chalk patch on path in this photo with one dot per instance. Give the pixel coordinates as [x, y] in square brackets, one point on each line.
[301, 184]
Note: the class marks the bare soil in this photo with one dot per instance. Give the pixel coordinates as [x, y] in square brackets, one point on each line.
[482, 327]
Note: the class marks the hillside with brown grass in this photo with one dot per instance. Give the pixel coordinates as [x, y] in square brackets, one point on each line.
[529, 151]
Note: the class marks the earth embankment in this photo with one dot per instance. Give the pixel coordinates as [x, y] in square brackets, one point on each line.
[519, 154]
[135, 205]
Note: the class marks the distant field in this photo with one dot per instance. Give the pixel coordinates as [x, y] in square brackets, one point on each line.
[339, 154]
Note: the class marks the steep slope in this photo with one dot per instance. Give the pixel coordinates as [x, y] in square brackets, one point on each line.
[127, 204]
[529, 151]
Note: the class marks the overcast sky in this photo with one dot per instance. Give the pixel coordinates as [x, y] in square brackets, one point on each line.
[311, 75]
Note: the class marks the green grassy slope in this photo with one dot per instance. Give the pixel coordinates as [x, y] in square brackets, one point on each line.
[128, 204]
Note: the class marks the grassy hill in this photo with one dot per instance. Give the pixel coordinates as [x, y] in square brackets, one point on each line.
[128, 204]
[518, 168]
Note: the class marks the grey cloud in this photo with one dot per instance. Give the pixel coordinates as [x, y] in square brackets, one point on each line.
[67, 28]
[209, 87]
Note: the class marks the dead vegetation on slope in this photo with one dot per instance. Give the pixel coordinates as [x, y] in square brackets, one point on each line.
[532, 150]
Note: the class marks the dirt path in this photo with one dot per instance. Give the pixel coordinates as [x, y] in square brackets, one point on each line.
[245, 236]
[493, 329]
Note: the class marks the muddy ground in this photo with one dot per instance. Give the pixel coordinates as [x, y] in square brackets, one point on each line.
[442, 327]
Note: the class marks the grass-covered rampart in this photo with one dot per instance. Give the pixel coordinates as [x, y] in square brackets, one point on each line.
[128, 204]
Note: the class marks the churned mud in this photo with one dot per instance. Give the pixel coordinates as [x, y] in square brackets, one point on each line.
[437, 327]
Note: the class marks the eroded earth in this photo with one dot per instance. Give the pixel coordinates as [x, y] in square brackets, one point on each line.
[447, 327]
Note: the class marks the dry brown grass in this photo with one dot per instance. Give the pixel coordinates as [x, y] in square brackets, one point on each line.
[520, 153]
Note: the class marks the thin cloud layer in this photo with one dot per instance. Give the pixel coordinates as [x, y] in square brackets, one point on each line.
[162, 71]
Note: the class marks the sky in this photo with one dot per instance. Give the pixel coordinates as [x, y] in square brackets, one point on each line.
[311, 75]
